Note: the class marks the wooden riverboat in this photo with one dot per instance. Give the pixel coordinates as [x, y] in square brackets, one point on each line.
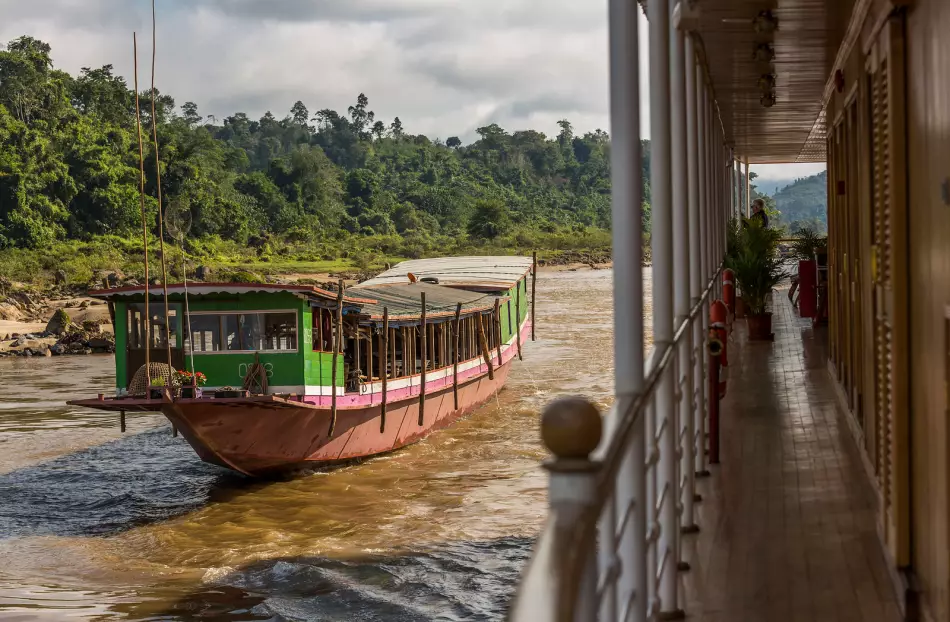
[419, 346]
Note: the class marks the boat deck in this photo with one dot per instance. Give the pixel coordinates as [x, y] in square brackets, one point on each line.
[141, 404]
[788, 519]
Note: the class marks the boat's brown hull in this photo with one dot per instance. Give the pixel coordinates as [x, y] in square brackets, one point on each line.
[256, 439]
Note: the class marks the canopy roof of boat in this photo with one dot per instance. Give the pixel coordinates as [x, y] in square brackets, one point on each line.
[404, 301]
[307, 292]
[475, 273]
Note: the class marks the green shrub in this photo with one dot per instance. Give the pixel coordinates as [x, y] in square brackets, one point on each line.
[807, 241]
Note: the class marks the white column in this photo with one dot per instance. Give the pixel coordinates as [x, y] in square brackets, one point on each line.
[740, 195]
[748, 190]
[702, 170]
[722, 187]
[626, 198]
[722, 179]
[696, 284]
[681, 254]
[717, 185]
[662, 236]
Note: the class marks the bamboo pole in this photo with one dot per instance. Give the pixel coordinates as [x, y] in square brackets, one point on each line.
[369, 361]
[425, 356]
[432, 345]
[161, 212]
[138, 127]
[534, 282]
[384, 373]
[511, 326]
[483, 342]
[337, 347]
[518, 317]
[497, 317]
[456, 330]
[356, 359]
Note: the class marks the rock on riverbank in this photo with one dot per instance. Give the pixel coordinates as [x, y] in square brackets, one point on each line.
[60, 337]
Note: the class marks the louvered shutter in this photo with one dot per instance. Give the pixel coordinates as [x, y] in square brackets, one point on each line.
[889, 270]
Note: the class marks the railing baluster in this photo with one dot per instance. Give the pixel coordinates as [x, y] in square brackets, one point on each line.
[653, 527]
[607, 562]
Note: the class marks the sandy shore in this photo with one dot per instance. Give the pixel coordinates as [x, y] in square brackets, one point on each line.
[8, 327]
[575, 267]
[79, 310]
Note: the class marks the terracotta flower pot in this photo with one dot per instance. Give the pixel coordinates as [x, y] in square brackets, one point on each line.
[760, 327]
[740, 307]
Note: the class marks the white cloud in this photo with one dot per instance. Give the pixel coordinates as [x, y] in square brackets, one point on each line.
[445, 67]
[786, 171]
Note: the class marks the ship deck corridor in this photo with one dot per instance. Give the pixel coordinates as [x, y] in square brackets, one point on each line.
[788, 517]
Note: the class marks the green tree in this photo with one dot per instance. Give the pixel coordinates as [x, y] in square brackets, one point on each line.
[190, 114]
[489, 220]
[360, 117]
[300, 114]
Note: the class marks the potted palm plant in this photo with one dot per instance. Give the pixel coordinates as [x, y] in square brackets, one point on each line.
[757, 269]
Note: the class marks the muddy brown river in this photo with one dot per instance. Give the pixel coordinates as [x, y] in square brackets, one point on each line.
[97, 525]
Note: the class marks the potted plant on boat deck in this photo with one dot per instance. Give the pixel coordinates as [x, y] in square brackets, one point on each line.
[157, 389]
[807, 245]
[757, 269]
[190, 383]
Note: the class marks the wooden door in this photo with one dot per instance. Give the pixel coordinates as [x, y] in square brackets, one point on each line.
[885, 72]
[854, 265]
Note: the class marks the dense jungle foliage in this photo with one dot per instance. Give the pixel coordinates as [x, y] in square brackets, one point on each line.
[342, 189]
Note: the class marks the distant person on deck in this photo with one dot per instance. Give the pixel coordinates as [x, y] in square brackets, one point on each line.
[758, 213]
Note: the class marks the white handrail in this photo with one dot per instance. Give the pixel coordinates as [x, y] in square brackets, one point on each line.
[552, 585]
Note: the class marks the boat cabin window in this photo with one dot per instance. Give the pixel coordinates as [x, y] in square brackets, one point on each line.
[139, 327]
[244, 332]
[322, 330]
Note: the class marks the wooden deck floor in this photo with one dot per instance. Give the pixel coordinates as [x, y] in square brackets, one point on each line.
[788, 518]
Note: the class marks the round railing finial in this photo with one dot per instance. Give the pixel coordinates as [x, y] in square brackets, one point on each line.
[571, 427]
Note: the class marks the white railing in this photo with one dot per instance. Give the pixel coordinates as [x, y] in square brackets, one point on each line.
[589, 553]
[623, 487]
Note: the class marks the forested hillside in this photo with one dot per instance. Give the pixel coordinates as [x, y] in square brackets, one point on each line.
[294, 188]
[804, 204]
[305, 184]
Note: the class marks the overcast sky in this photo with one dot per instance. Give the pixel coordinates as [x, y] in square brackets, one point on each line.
[445, 67]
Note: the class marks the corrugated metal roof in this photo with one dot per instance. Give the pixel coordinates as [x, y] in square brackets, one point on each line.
[478, 273]
[207, 289]
[404, 301]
